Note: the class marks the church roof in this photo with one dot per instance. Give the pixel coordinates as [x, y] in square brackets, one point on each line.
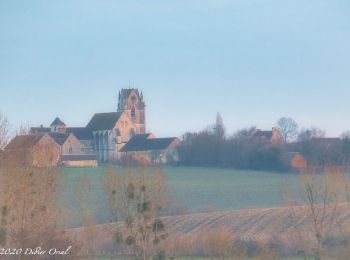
[23, 142]
[57, 121]
[143, 144]
[81, 133]
[104, 121]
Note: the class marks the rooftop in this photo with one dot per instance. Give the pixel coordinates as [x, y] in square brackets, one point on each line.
[260, 133]
[57, 121]
[23, 141]
[143, 144]
[58, 137]
[81, 133]
[104, 121]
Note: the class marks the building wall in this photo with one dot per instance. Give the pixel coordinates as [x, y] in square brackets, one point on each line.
[72, 146]
[87, 146]
[125, 126]
[84, 163]
[156, 157]
[276, 136]
[46, 152]
[58, 129]
[109, 142]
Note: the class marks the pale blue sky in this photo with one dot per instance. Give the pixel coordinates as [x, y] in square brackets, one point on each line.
[251, 60]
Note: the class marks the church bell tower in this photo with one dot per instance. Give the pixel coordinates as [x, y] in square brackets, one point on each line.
[131, 102]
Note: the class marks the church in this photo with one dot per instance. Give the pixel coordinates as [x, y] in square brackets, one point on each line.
[117, 137]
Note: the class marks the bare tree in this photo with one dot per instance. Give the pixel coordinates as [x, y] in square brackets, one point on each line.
[218, 242]
[23, 129]
[308, 133]
[245, 133]
[219, 128]
[30, 213]
[345, 137]
[321, 199]
[137, 198]
[4, 130]
[288, 128]
[89, 230]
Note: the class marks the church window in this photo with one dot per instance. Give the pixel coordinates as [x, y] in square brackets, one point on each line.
[133, 112]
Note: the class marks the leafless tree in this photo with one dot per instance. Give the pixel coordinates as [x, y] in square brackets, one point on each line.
[219, 128]
[245, 133]
[321, 199]
[89, 230]
[345, 149]
[218, 242]
[288, 128]
[4, 130]
[30, 213]
[23, 129]
[137, 198]
[308, 133]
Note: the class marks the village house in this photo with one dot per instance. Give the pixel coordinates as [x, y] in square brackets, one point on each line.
[273, 136]
[38, 150]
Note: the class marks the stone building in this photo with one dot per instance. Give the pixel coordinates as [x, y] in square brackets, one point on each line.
[145, 149]
[38, 150]
[83, 134]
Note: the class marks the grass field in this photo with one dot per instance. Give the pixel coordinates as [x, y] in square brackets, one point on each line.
[195, 189]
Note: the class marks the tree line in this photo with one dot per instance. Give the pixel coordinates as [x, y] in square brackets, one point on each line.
[214, 147]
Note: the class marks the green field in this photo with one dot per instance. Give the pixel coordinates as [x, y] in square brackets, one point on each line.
[192, 188]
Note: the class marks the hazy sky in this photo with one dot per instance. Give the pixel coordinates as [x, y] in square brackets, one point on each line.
[251, 60]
